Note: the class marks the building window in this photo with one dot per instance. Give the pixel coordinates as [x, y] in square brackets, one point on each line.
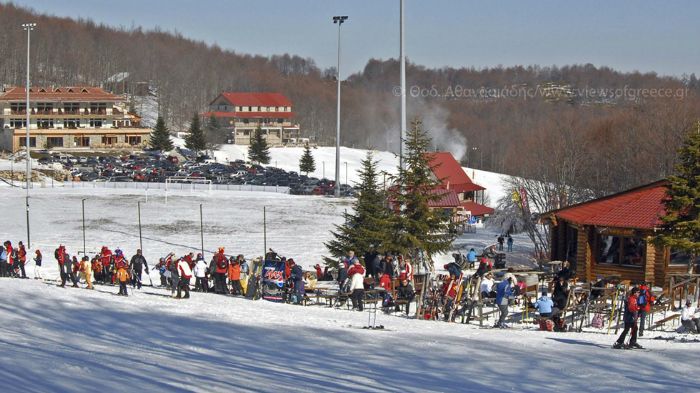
[54, 141]
[98, 108]
[71, 108]
[18, 108]
[109, 140]
[44, 124]
[618, 250]
[44, 108]
[71, 123]
[81, 141]
[680, 257]
[18, 123]
[97, 123]
[134, 140]
[23, 141]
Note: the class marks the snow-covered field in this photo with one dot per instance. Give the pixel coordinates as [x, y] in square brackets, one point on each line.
[74, 340]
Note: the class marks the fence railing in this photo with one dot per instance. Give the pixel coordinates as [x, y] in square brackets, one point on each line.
[170, 186]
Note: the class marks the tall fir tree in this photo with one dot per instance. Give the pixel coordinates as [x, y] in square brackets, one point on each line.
[681, 229]
[367, 228]
[160, 136]
[215, 135]
[195, 138]
[259, 151]
[417, 230]
[307, 163]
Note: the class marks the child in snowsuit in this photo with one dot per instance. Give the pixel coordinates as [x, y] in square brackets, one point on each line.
[123, 278]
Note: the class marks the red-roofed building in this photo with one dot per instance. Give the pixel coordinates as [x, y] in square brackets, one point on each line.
[243, 113]
[615, 236]
[71, 117]
[452, 177]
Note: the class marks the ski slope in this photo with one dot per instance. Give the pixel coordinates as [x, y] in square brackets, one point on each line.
[69, 339]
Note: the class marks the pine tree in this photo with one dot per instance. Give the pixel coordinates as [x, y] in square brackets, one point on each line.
[368, 227]
[259, 151]
[215, 135]
[417, 230]
[195, 138]
[307, 163]
[160, 137]
[681, 228]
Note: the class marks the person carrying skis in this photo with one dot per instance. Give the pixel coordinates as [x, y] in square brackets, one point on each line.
[221, 267]
[136, 265]
[184, 272]
[37, 265]
[122, 276]
[630, 319]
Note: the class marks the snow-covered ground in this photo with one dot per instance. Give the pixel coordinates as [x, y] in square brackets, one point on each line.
[66, 339]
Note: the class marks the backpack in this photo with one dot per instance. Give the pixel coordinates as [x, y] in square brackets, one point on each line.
[643, 298]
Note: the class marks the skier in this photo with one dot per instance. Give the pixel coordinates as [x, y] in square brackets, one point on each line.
[184, 272]
[245, 271]
[234, 277]
[161, 272]
[76, 271]
[86, 270]
[630, 319]
[60, 254]
[221, 267]
[122, 277]
[174, 277]
[106, 259]
[357, 274]
[37, 265]
[9, 258]
[22, 258]
[200, 274]
[137, 263]
[645, 300]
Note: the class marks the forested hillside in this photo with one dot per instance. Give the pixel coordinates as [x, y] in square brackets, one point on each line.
[585, 126]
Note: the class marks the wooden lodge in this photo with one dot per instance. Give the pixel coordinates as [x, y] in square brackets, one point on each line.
[616, 236]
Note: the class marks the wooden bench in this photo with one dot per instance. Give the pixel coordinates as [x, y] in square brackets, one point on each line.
[663, 321]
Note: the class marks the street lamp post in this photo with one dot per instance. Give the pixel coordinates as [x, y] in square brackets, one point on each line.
[83, 203]
[28, 27]
[346, 172]
[339, 20]
[402, 70]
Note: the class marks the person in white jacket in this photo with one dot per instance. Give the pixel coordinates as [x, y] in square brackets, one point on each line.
[183, 269]
[200, 274]
[356, 273]
[688, 318]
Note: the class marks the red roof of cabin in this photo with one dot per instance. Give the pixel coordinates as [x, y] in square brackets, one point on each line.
[450, 173]
[256, 99]
[477, 209]
[448, 198]
[251, 115]
[69, 93]
[638, 208]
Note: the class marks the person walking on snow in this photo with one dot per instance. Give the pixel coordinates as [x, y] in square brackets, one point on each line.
[630, 319]
[22, 258]
[504, 291]
[136, 265]
[234, 276]
[357, 285]
[185, 274]
[37, 265]
[86, 271]
[510, 243]
[122, 277]
[174, 277]
[220, 270]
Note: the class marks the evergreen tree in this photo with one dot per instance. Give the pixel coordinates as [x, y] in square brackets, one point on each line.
[215, 135]
[307, 163]
[259, 151]
[160, 136]
[417, 230]
[681, 228]
[368, 227]
[195, 138]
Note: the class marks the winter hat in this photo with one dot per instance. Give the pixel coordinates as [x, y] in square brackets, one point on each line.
[544, 292]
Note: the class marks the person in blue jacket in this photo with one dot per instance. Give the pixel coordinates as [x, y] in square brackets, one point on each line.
[504, 291]
[544, 305]
[471, 258]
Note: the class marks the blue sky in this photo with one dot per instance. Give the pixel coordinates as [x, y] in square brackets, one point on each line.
[643, 35]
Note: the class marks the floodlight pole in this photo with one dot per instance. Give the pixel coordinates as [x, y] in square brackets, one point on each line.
[83, 203]
[339, 20]
[402, 61]
[28, 27]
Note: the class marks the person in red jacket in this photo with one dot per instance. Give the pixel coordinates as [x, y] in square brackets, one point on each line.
[22, 256]
[319, 272]
[10, 257]
[106, 260]
[221, 263]
[356, 274]
[61, 255]
[631, 315]
[645, 300]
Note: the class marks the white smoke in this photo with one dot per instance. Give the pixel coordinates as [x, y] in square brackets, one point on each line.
[444, 138]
